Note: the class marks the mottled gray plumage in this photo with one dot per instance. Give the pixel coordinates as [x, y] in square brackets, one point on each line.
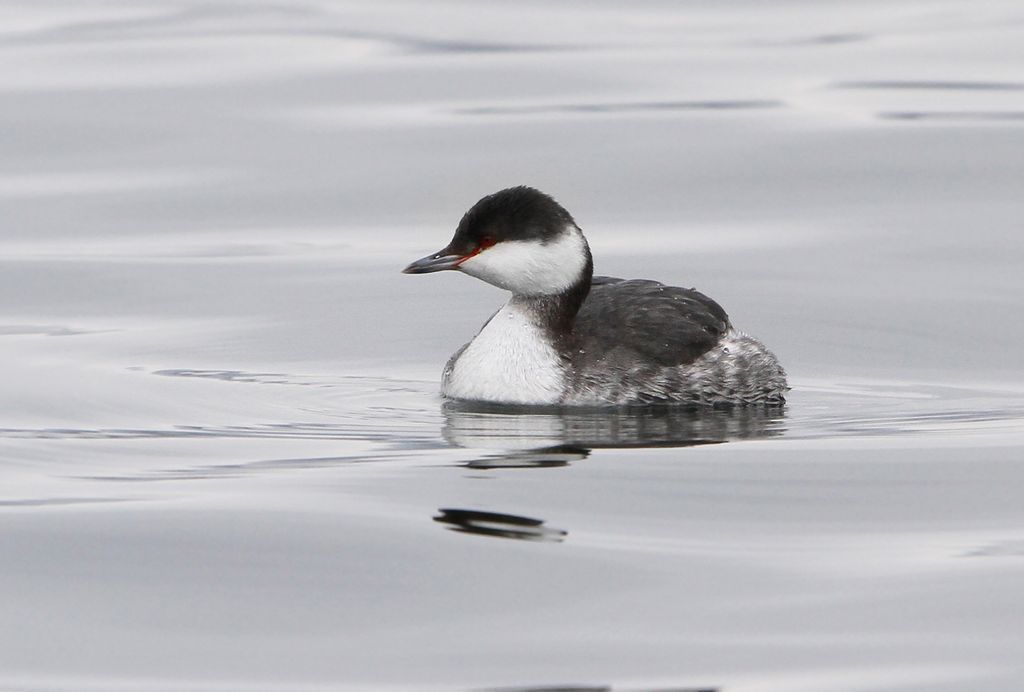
[639, 341]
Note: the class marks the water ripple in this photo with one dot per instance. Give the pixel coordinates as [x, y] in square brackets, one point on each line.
[930, 85]
[954, 116]
[622, 107]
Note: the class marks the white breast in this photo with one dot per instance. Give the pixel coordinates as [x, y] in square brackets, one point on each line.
[510, 361]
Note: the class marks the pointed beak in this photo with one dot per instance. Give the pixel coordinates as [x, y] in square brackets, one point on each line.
[439, 261]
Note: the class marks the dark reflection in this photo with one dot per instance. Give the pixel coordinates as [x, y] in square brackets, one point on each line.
[499, 525]
[544, 457]
[567, 434]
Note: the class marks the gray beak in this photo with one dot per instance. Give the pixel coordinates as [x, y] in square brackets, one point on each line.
[439, 261]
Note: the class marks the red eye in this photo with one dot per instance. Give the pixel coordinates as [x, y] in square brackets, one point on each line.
[486, 242]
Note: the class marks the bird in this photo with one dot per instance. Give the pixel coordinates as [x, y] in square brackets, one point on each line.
[567, 338]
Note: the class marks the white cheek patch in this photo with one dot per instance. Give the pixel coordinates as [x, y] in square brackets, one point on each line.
[529, 267]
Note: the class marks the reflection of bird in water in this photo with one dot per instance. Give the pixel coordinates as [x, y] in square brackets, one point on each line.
[571, 431]
[532, 438]
[498, 524]
[572, 339]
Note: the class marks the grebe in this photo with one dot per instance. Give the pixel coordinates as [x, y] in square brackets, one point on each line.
[569, 338]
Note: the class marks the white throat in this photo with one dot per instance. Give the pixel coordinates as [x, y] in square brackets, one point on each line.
[530, 267]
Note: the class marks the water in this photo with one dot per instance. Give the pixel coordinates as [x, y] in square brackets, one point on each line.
[223, 461]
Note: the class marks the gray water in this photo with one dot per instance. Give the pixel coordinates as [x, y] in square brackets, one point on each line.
[224, 464]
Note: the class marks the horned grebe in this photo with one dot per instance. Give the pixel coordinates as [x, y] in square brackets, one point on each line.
[567, 337]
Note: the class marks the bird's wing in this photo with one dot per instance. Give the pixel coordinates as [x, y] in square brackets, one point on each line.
[662, 324]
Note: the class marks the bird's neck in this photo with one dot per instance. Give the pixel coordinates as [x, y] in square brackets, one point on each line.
[556, 312]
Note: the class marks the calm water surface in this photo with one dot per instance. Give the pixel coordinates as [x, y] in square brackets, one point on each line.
[224, 464]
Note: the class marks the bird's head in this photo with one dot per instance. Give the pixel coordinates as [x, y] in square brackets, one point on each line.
[518, 239]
